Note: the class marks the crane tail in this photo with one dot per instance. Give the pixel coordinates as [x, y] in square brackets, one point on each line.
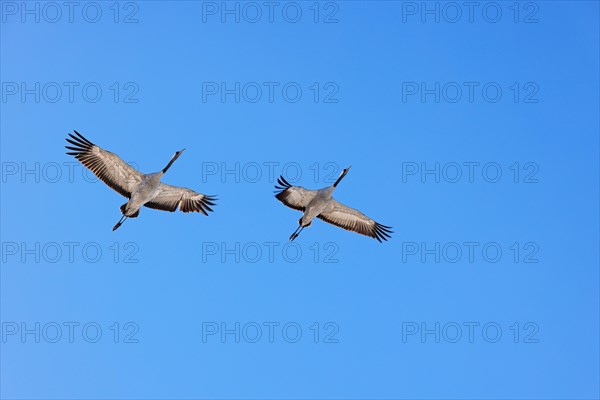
[123, 211]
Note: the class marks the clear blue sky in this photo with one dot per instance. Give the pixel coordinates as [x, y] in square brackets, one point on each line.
[473, 132]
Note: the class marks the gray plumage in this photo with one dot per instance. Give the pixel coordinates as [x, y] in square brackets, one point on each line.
[320, 204]
[141, 189]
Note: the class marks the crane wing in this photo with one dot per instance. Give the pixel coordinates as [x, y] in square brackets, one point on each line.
[353, 220]
[295, 197]
[172, 197]
[107, 166]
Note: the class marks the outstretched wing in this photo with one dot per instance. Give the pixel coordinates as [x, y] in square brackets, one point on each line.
[107, 166]
[172, 197]
[353, 220]
[295, 197]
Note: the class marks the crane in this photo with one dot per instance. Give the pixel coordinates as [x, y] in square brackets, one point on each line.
[141, 189]
[320, 204]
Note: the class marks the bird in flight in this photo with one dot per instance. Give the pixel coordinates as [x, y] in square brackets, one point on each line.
[320, 204]
[141, 189]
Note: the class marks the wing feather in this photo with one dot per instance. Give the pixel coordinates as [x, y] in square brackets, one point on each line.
[107, 166]
[353, 220]
[172, 197]
[295, 197]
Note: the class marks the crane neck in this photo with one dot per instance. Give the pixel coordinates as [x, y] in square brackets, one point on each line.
[168, 166]
[342, 175]
[175, 157]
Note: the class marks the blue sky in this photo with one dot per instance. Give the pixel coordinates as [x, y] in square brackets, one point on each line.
[473, 132]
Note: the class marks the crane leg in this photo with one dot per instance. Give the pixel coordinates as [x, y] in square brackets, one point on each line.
[296, 233]
[118, 224]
